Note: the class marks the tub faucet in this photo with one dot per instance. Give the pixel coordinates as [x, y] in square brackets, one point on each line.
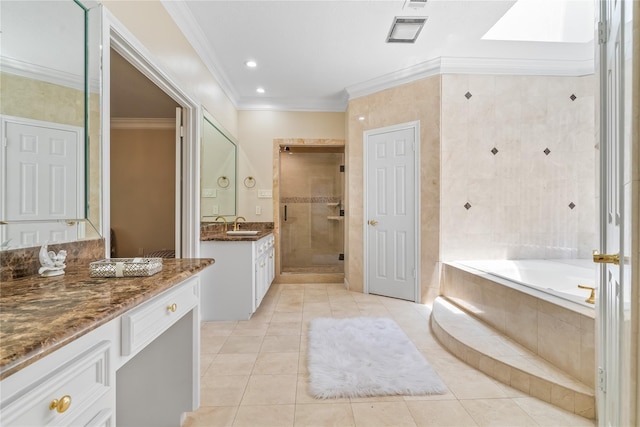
[223, 219]
[236, 227]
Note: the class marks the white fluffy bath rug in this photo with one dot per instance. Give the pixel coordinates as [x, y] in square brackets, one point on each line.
[366, 356]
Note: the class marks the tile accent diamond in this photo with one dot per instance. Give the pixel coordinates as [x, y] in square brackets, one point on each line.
[546, 151]
[494, 150]
[468, 95]
[572, 205]
[573, 97]
[467, 206]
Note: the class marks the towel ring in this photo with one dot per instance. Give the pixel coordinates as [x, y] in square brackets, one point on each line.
[249, 182]
[223, 182]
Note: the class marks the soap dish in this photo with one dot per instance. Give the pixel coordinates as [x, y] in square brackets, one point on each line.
[125, 267]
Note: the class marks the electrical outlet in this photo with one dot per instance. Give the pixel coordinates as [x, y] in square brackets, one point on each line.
[214, 210]
[140, 251]
[258, 210]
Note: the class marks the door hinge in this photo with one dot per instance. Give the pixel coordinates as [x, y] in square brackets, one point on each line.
[602, 32]
[602, 379]
[181, 131]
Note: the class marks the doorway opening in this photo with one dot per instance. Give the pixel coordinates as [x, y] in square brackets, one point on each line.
[311, 212]
[144, 165]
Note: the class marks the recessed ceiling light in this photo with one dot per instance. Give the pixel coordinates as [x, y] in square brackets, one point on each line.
[361, 118]
[260, 90]
[251, 64]
[405, 30]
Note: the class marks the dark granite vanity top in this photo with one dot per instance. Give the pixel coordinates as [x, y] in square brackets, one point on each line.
[217, 231]
[38, 315]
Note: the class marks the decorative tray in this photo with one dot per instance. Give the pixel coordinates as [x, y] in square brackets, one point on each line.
[125, 267]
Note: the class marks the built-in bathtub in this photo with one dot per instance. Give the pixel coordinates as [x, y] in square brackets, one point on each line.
[536, 303]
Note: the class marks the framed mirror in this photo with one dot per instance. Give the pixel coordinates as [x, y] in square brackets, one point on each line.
[50, 119]
[218, 172]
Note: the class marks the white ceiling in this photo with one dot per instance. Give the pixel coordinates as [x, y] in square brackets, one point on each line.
[315, 55]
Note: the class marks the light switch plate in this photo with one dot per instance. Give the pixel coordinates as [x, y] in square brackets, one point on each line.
[209, 192]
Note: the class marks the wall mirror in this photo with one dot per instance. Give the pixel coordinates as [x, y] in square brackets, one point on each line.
[218, 171]
[50, 117]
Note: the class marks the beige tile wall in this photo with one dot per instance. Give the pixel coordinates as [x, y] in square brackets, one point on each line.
[519, 197]
[418, 100]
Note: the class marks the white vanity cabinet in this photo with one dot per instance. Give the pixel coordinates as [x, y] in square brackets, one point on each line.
[138, 369]
[233, 288]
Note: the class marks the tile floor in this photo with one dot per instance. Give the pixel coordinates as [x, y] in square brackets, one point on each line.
[254, 372]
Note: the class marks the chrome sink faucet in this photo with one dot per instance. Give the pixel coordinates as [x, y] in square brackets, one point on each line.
[236, 226]
[223, 219]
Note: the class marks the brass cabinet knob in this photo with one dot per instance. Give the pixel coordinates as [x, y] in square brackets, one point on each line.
[606, 258]
[373, 222]
[592, 297]
[173, 307]
[60, 405]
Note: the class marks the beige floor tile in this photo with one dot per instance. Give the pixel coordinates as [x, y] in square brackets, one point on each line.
[241, 344]
[441, 413]
[222, 390]
[265, 416]
[285, 328]
[375, 414]
[280, 344]
[471, 384]
[276, 363]
[270, 390]
[217, 416]
[497, 412]
[548, 416]
[232, 364]
[212, 344]
[319, 415]
[210, 329]
[269, 385]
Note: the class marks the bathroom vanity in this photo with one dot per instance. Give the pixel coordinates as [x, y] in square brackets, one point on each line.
[89, 351]
[234, 288]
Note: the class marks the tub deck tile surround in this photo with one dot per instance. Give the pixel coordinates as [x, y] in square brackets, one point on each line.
[562, 333]
[41, 314]
[489, 351]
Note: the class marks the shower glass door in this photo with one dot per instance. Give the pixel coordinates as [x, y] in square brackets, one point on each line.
[311, 209]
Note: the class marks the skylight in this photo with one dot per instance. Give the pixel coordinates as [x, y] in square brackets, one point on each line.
[555, 21]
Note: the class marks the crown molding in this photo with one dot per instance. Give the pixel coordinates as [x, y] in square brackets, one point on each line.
[492, 66]
[142, 123]
[44, 74]
[188, 25]
[339, 104]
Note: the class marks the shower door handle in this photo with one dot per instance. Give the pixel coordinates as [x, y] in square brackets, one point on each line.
[285, 212]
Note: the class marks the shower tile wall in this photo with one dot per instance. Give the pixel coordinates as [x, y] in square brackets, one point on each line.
[518, 167]
[311, 188]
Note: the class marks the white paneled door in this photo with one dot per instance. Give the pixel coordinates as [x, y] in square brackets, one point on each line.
[44, 180]
[614, 289]
[391, 205]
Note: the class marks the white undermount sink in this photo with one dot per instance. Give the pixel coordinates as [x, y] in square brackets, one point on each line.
[242, 232]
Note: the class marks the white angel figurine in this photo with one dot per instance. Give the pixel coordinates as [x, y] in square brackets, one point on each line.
[52, 264]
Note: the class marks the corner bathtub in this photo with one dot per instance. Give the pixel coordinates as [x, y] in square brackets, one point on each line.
[536, 303]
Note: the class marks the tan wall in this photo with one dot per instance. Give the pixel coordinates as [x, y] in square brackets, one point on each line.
[414, 101]
[257, 130]
[152, 25]
[142, 190]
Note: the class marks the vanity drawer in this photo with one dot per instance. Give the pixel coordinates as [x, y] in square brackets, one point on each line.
[84, 379]
[142, 325]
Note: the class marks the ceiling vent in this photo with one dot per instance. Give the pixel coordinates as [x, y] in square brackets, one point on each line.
[415, 4]
[405, 30]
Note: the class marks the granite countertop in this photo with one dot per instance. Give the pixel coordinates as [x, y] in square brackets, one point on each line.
[217, 231]
[38, 315]
[235, 238]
